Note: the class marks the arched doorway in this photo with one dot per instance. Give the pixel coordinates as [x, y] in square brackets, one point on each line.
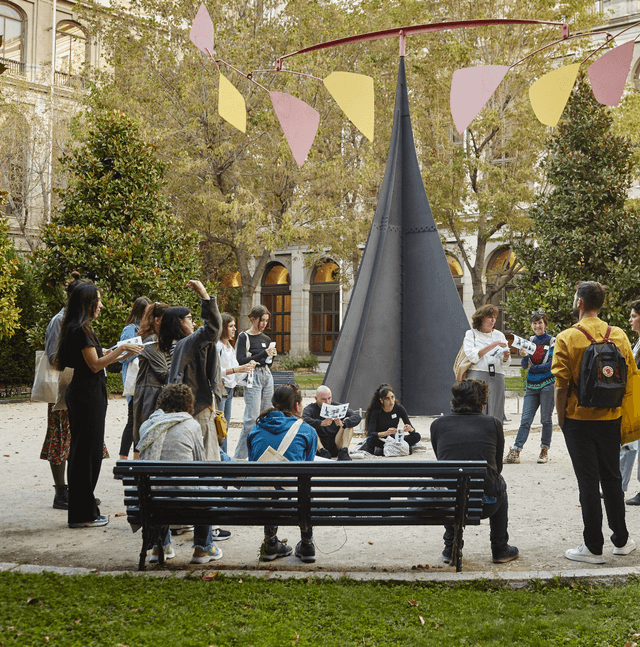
[456, 272]
[499, 262]
[276, 295]
[324, 309]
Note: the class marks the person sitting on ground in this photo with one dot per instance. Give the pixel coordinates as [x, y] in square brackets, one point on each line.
[271, 428]
[468, 434]
[172, 434]
[382, 420]
[334, 434]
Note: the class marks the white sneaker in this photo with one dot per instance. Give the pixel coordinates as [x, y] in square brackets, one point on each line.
[629, 547]
[583, 554]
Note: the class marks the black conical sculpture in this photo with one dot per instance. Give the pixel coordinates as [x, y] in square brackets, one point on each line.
[405, 323]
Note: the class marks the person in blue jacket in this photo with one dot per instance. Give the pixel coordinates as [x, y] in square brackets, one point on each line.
[271, 428]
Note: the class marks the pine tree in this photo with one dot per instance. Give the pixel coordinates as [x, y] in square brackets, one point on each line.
[581, 228]
[113, 225]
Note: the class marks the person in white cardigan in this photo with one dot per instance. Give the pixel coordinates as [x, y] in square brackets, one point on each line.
[488, 351]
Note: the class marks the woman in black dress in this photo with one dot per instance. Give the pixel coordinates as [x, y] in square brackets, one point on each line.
[384, 417]
[86, 400]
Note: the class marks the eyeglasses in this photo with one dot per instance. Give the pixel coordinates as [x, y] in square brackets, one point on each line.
[187, 317]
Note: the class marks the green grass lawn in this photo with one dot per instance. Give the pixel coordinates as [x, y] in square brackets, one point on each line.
[138, 611]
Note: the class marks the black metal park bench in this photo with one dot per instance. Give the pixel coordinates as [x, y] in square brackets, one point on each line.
[313, 494]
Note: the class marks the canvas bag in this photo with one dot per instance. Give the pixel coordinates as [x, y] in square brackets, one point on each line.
[132, 375]
[45, 383]
[271, 454]
[462, 363]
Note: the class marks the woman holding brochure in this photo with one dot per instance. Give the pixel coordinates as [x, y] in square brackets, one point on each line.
[86, 400]
[254, 346]
[540, 389]
[488, 352]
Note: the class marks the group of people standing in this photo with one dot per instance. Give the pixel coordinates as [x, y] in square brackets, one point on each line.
[592, 428]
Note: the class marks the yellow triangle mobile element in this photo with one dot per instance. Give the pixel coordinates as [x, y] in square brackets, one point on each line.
[549, 94]
[354, 94]
[231, 105]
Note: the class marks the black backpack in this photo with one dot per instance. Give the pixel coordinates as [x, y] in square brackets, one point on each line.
[603, 374]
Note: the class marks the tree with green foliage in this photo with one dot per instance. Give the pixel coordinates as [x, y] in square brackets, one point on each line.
[582, 226]
[9, 284]
[243, 192]
[114, 226]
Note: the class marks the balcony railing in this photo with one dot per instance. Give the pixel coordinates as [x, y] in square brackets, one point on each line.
[65, 80]
[14, 67]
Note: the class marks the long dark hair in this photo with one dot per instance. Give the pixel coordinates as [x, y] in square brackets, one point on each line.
[137, 310]
[151, 312]
[226, 322]
[375, 405]
[284, 399]
[81, 307]
[171, 327]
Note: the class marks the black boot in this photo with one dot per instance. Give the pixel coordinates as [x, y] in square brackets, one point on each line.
[61, 499]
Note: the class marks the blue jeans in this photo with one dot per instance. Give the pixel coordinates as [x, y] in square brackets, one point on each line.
[202, 537]
[256, 400]
[627, 458]
[225, 405]
[534, 399]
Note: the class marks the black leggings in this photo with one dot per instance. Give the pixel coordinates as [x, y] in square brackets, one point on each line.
[127, 434]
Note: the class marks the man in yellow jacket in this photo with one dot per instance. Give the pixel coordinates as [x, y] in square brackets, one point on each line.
[592, 434]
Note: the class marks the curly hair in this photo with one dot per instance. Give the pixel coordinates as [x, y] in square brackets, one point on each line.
[376, 405]
[487, 310]
[175, 398]
[469, 396]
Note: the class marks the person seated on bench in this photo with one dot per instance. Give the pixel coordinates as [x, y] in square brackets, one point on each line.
[271, 428]
[334, 434]
[172, 434]
[468, 434]
[382, 419]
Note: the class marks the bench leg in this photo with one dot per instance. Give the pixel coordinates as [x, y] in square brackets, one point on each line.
[456, 549]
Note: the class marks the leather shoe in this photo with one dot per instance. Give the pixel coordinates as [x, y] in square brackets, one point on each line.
[635, 500]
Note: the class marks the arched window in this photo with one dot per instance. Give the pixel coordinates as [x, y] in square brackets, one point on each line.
[71, 52]
[456, 272]
[324, 310]
[498, 263]
[276, 295]
[12, 30]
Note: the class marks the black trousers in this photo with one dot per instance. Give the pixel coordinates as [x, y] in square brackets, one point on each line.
[594, 448]
[498, 515]
[87, 412]
[127, 434]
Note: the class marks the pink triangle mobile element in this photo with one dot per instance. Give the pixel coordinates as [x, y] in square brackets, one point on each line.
[608, 74]
[471, 88]
[201, 34]
[299, 122]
